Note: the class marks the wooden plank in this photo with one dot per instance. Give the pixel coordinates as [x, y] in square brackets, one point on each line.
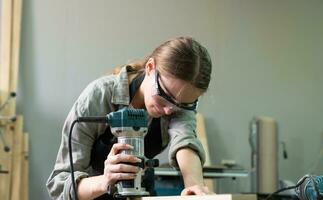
[4, 189]
[203, 197]
[201, 134]
[15, 45]
[25, 169]
[5, 59]
[5, 162]
[5, 47]
[9, 63]
[17, 160]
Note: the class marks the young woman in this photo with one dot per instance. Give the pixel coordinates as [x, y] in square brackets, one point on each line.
[167, 84]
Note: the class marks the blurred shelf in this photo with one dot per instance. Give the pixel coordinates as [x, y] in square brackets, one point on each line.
[208, 172]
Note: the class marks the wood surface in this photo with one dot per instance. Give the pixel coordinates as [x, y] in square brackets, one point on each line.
[204, 197]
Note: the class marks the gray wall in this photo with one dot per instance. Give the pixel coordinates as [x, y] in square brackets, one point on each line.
[267, 61]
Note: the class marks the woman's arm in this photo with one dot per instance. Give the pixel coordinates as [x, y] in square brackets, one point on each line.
[191, 169]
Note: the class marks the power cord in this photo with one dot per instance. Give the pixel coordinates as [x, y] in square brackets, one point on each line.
[71, 157]
[100, 119]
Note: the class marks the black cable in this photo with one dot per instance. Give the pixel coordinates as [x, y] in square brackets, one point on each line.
[287, 188]
[71, 157]
[281, 190]
[80, 119]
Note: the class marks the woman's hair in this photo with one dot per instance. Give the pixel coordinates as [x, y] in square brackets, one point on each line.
[183, 58]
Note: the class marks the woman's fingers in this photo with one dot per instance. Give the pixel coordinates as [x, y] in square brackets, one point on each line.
[122, 158]
[117, 147]
[114, 177]
[187, 191]
[196, 190]
[120, 166]
[123, 168]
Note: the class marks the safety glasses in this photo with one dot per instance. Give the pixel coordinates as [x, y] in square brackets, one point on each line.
[165, 100]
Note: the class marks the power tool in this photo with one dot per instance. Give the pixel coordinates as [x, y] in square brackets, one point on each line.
[310, 188]
[129, 126]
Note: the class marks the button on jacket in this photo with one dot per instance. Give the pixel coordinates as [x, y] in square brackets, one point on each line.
[102, 96]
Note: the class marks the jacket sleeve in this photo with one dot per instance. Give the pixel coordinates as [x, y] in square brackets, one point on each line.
[59, 183]
[182, 131]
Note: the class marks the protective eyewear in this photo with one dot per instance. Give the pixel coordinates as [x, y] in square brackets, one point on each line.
[167, 100]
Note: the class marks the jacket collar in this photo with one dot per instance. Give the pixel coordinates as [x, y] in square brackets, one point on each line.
[120, 92]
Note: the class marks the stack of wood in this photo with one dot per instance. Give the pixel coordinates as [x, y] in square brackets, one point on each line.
[13, 141]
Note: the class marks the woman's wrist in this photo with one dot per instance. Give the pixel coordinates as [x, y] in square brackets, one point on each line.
[194, 180]
[92, 187]
[103, 184]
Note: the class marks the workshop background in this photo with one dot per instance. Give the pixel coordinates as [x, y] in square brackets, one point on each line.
[267, 56]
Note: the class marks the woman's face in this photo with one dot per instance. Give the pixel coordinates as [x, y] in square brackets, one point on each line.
[165, 95]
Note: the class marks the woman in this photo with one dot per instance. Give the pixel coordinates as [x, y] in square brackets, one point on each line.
[167, 84]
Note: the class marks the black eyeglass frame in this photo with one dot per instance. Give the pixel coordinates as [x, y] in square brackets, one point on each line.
[160, 92]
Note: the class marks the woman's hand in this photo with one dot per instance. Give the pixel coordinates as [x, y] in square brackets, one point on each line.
[115, 168]
[196, 190]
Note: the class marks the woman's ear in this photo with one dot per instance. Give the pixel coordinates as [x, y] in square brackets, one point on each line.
[150, 65]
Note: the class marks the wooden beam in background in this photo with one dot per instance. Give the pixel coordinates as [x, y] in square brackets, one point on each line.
[25, 169]
[15, 45]
[5, 63]
[17, 159]
[5, 47]
[201, 134]
[10, 27]
[5, 162]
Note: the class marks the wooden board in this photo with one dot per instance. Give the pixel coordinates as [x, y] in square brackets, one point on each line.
[4, 188]
[5, 162]
[204, 197]
[25, 169]
[15, 46]
[5, 46]
[201, 134]
[17, 160]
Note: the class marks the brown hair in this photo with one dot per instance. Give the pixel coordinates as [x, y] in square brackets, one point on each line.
[183, 58]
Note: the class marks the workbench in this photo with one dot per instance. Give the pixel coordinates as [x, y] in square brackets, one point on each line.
[168, 180]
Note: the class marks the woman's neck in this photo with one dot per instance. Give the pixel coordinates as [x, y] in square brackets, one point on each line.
[138, 100]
